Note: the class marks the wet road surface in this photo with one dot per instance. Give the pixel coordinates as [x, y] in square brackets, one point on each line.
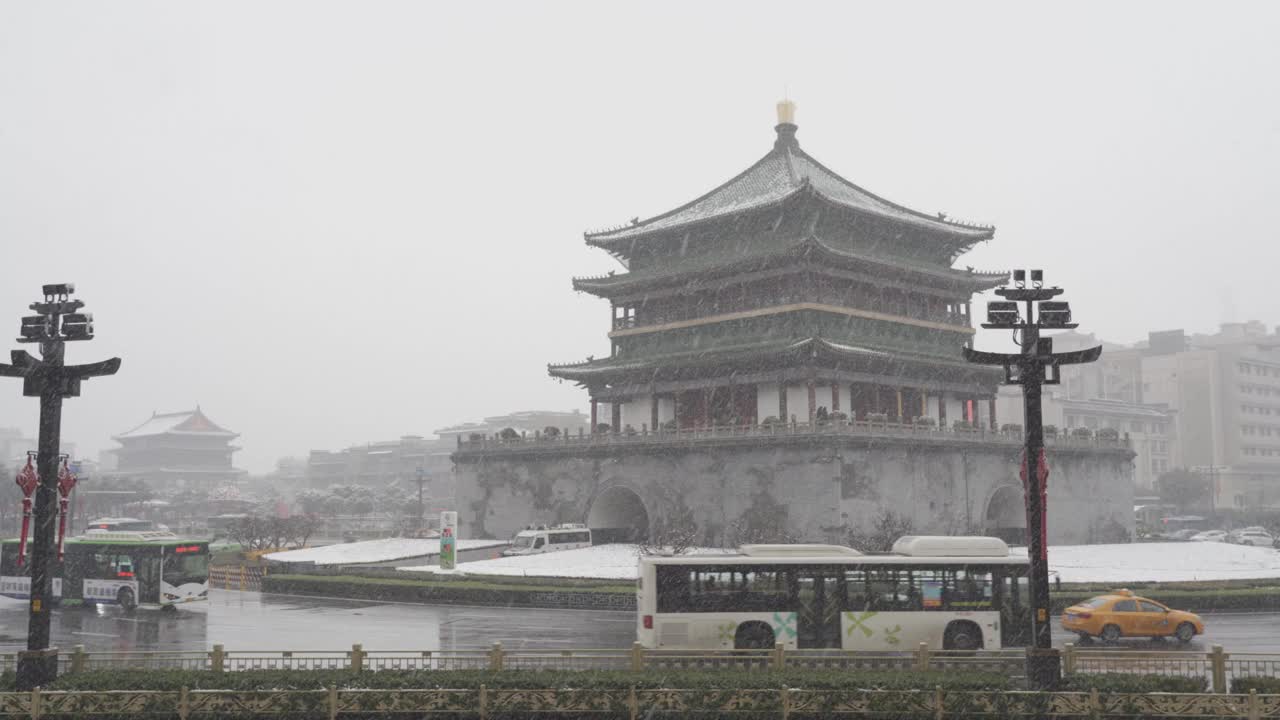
[255, 621]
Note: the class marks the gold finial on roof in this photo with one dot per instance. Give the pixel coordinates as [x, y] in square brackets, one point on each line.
[786, 112]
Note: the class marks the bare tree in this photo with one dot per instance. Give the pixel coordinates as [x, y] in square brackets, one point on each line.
[881, 536]
[673, 535]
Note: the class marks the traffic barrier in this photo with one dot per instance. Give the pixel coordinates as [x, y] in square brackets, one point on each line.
[237, 577]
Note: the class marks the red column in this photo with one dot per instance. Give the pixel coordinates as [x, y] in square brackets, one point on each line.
[617, 415]
[782, 402]
[813, 401]
[942, 410]
[991, 410]
[653, 412]
[835, 397]
[594, 417]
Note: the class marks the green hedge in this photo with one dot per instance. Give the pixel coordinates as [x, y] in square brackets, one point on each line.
[1255, 598]
[1264, 685]
[715, 684]
[1121, 683]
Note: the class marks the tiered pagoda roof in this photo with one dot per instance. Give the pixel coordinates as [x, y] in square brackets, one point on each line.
[187, 422]
[785, 172]
[788, 224]
[765, 354]
[811, 248]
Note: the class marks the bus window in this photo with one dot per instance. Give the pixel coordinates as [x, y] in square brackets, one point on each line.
[893, 590]
[112, 566]
[858, 596]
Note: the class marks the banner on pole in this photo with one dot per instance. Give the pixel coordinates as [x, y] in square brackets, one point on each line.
[448, 540]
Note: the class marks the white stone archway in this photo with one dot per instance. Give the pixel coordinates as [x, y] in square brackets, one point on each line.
[618, 515]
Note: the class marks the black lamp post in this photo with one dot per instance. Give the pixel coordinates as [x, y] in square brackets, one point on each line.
[1037, 365]
[57, 320]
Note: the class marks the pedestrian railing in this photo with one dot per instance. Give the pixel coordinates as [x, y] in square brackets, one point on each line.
[1217, 666]
[632, 702]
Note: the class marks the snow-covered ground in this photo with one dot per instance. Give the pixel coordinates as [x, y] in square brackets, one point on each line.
[1146, 562]
[612, 562]
[374, 551]
[1162, 562]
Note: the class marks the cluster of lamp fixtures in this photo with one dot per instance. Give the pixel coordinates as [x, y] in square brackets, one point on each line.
[58, 318]
[1005, 315]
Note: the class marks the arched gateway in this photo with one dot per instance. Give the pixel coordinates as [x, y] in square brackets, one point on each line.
[1006, 517]
[618, 515]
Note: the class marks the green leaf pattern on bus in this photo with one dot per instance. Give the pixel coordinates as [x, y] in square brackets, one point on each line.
[784, 623]
[891, 635]
[858, 622]
[727, 631]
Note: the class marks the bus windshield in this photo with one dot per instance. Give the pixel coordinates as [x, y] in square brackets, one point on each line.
[523, 541]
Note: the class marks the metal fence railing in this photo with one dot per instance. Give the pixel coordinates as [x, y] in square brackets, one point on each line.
[1217, 666]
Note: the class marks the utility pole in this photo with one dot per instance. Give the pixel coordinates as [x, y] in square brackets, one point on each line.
[421, 510]
[57, 320]
[1032, 368]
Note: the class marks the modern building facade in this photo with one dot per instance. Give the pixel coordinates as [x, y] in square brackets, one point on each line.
[1225, 388]
[178, 450]
[786, 350]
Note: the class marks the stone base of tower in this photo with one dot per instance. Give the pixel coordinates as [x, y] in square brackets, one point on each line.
[813, 488]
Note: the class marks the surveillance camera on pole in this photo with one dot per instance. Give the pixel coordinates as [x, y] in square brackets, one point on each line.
[1037, 365]
[58, 320]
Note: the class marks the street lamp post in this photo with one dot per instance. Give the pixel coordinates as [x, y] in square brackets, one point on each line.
[1032, 368]
[57, 320]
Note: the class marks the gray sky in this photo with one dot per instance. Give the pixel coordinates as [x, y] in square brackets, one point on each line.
[330, 223]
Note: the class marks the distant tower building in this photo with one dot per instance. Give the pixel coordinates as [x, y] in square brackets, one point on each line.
[786, 362]
[174, 450]
[787, 290]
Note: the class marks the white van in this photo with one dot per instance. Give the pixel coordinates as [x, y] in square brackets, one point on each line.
[543, 539]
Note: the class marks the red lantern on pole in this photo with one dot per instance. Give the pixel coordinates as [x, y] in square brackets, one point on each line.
[28, 481]
[66, 483]
[1042, 476]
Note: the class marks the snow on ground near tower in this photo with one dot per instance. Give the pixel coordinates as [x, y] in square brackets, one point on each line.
[1137, 562]
[374, 551]
[611, 562]
[1162, 562]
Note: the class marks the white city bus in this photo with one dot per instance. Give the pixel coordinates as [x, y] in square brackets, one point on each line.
[954, 593]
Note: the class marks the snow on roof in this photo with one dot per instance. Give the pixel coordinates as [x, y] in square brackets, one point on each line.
[1136, 562]
[373, 551]
[181, 423]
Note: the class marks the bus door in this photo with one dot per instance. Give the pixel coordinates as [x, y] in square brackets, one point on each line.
[819, 592]
[1012, 597]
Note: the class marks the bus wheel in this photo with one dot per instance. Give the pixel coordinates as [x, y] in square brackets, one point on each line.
[753, 636]
[127, 599]
[962, 636]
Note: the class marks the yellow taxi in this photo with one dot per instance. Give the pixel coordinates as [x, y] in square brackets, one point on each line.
[1123, 614]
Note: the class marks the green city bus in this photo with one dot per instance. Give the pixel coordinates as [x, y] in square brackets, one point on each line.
[131, 569]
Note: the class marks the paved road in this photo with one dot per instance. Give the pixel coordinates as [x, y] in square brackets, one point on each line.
[255, 621]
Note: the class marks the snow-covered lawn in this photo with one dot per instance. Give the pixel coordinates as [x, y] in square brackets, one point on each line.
[612, 562]
[373, 551]
[1162, 562]
[1165, 562]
